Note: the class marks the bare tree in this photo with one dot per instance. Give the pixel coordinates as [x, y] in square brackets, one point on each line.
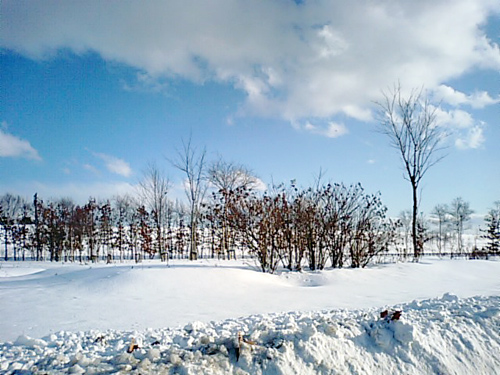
[405, 218]
[192, 161]
[154, 189]
[460, 212]
[410, 124]
[123, 212]
[440, 212]
[225, 175]
[11, 208]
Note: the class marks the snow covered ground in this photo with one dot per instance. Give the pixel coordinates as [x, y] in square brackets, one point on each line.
[185, 318]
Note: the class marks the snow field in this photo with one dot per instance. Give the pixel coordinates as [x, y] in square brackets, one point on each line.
[445, 335]
[186, 317]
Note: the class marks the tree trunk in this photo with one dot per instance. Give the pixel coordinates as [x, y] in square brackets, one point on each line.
[193, 253]
[6, 247]
[416, 250]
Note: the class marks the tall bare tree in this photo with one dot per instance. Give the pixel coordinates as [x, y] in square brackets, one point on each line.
[192, 162]
[410, 123]
[154, 189]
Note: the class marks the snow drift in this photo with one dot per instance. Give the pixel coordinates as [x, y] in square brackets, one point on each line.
[447, 335]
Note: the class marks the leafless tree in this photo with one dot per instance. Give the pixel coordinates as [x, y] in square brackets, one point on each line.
[154, 189]
[405, 218]
[440, 212]
[460, 212]
[11, 208]
[123, 211]
[225, 175]
[191, 161]
[410, 123]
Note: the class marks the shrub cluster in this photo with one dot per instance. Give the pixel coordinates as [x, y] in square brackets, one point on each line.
[289, 227]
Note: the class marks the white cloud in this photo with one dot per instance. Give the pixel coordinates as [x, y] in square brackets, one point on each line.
[333, 130]
[115, 165]
[12, 146]
[473, 138]
[146, 83]
[454, 118]
[467, 132]
[260, 185]
[478, 99]
[318, 59]
[90, 168]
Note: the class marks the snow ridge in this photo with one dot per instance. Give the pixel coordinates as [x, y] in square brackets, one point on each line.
[444, 335]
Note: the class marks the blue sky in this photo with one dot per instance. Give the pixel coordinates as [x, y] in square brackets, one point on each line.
[93, 91]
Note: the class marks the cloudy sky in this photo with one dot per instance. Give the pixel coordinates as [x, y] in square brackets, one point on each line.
[94, 91]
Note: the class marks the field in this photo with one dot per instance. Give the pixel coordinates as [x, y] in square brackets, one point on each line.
[185, 318]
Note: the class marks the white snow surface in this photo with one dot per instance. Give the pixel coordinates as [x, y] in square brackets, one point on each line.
[185, 318]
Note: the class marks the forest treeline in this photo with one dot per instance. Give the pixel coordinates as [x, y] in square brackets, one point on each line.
[333, 224]
[330, 225]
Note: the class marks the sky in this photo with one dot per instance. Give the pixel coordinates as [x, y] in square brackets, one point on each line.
[92, 92]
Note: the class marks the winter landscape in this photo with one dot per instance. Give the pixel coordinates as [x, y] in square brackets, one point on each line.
[249, 187]
[185, 318]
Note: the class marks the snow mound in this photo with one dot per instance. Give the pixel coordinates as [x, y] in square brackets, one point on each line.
[7, 272]
[444, 335]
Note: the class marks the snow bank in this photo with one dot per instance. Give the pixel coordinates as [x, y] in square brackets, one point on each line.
[73, 297]
[447, 335]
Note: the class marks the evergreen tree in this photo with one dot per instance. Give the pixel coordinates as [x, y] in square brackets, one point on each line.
[492, 232]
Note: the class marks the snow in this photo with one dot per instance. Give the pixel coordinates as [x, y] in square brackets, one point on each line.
[185, 318]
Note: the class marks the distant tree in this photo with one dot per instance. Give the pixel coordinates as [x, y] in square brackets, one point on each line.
[405, 218]
[122, 217]
[65, 210]
[410, 124]
[144, 234]
[423, 235]
[78, 223]
[90, 228]
[23, 230]
[154, 189]
[52, 231]
[106, 229]
[37, 205]
[492, 232]
[192, 162]
[441, 212]
[180, 235]
[5, 223]
[460, 213]
[11, 210]
[225, 177]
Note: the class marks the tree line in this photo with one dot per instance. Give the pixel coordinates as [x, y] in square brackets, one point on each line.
[329, 225]
[445, 227]
[284, 227]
